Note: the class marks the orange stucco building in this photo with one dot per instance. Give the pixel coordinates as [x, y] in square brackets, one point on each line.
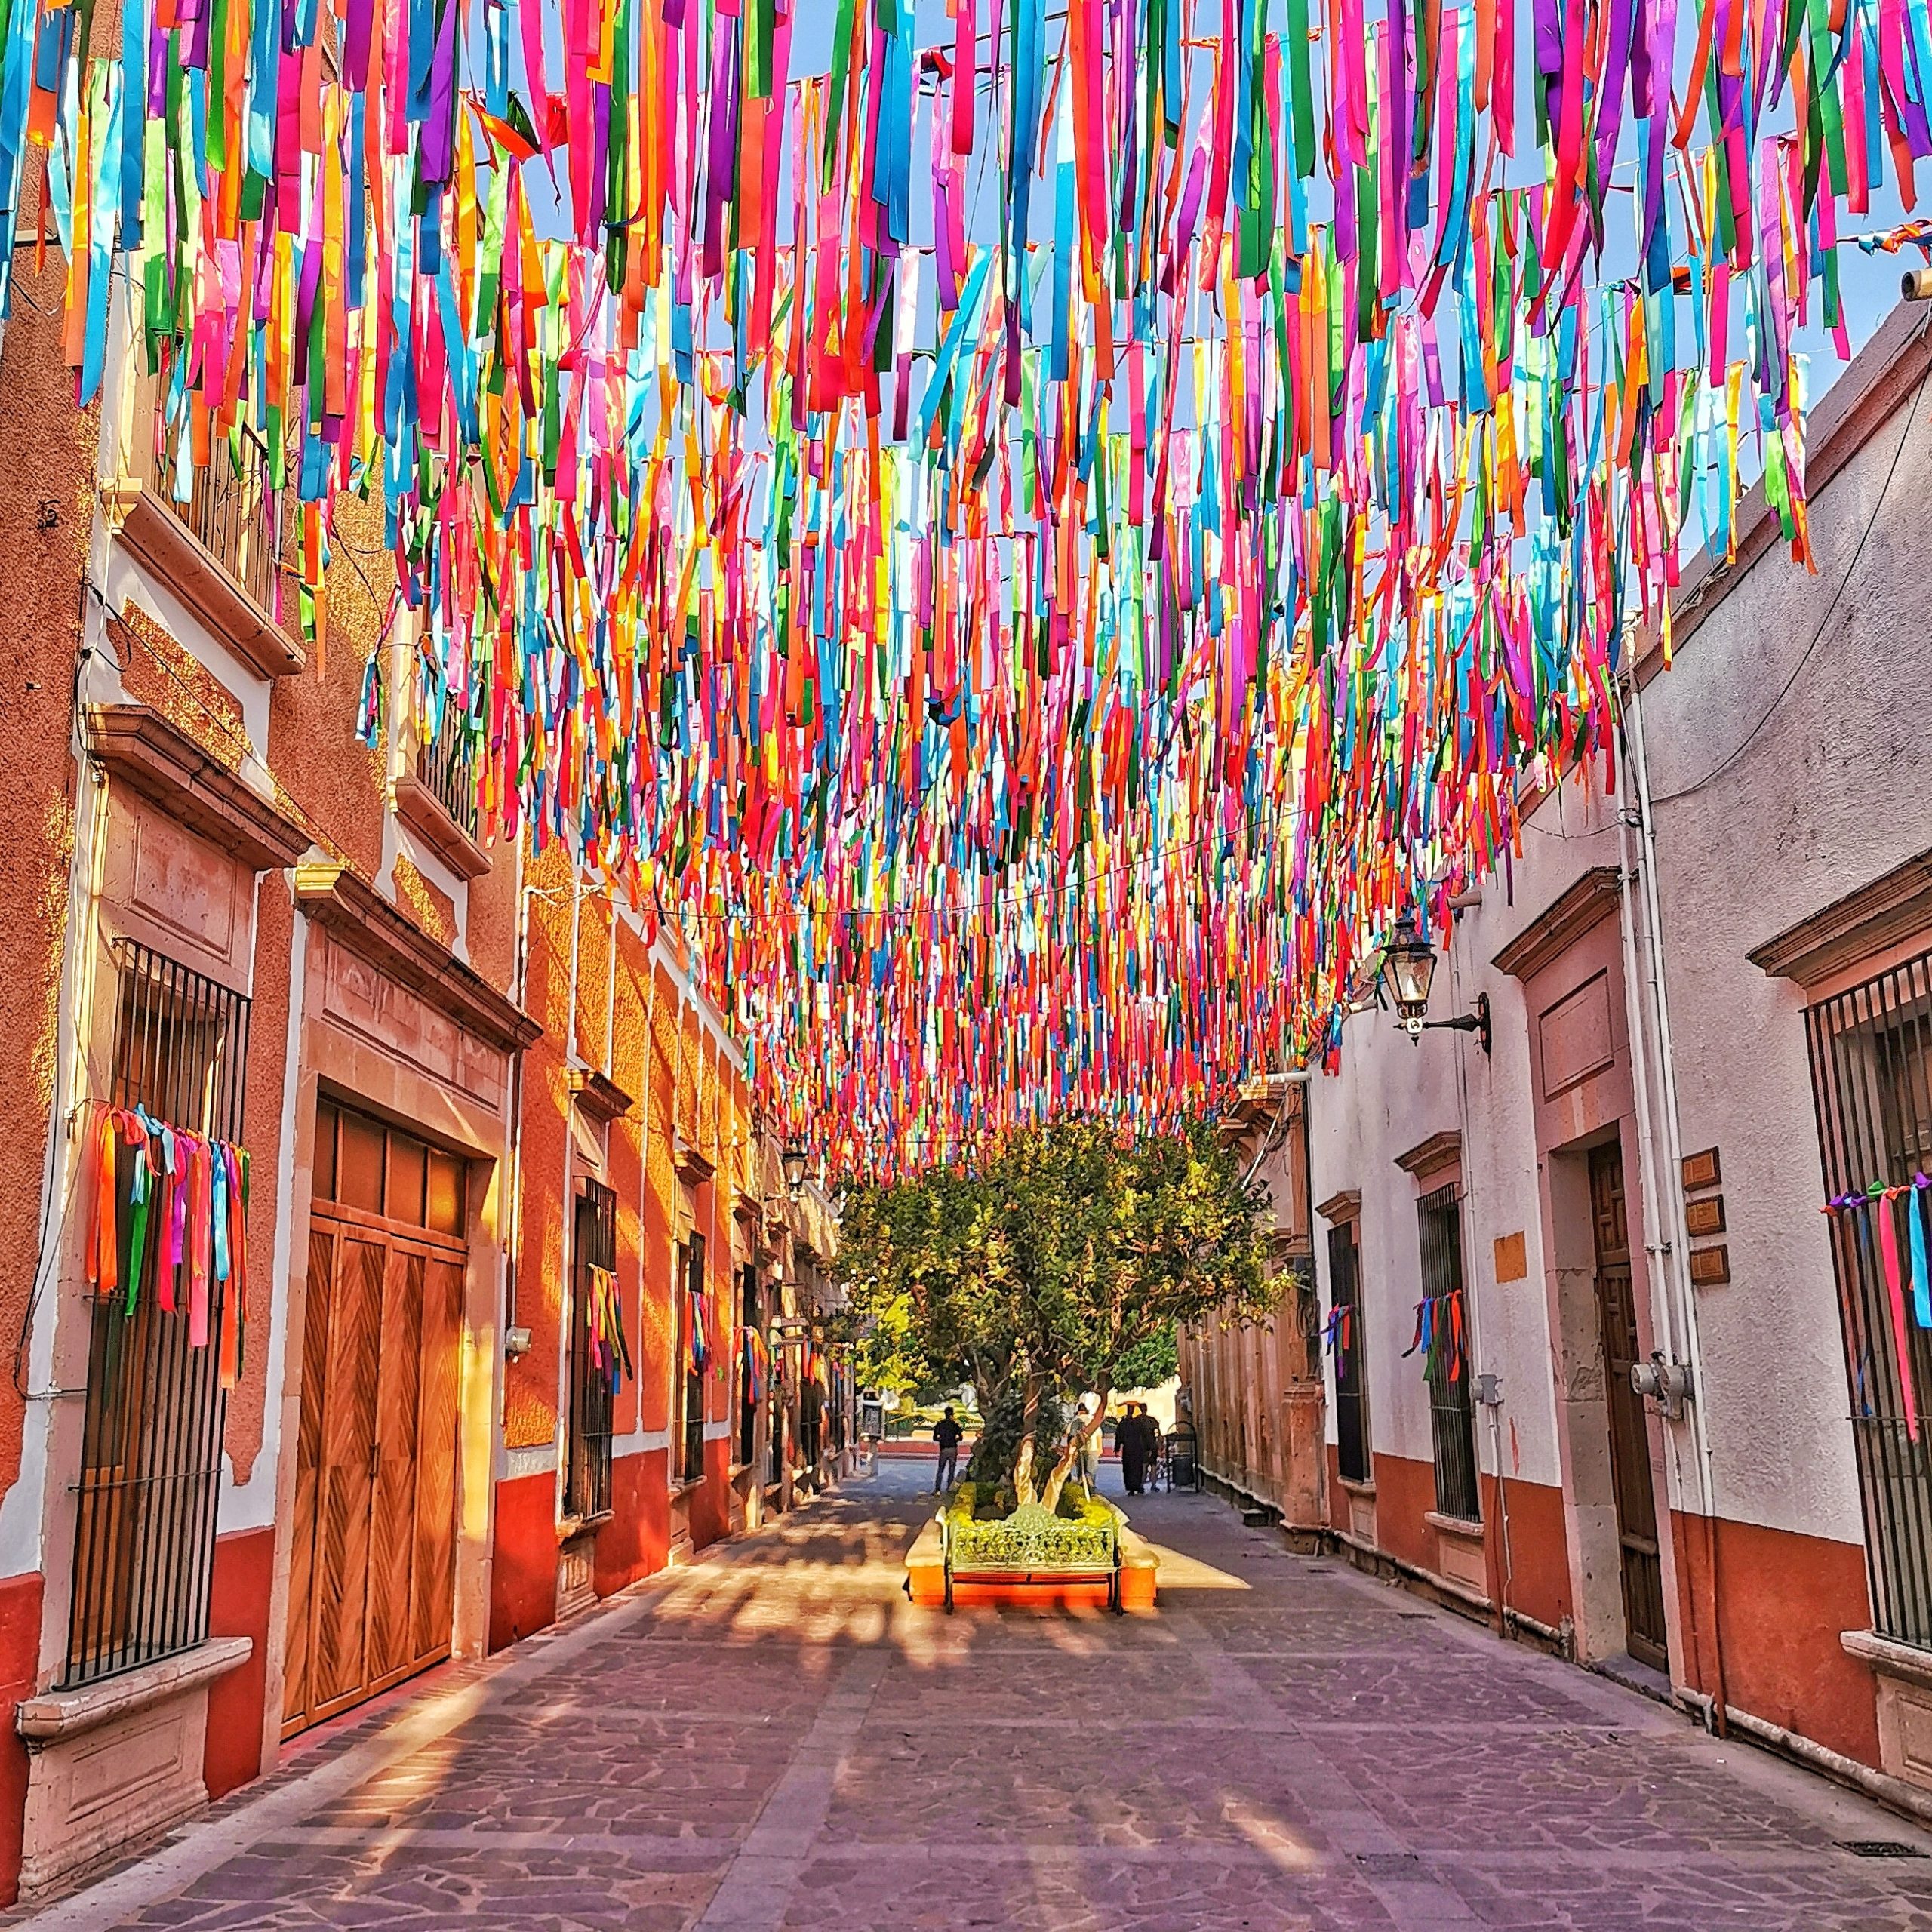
[496, 1138]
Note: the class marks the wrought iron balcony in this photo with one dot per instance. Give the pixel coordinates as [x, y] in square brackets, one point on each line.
[446, 766]
[228, 551]
[435, 793]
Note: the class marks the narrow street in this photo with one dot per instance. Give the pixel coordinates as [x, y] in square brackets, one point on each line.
[774, 1737]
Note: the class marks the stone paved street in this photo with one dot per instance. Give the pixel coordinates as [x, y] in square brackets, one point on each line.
[776, 1738]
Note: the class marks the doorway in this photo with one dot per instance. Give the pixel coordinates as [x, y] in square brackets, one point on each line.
[1640, 1564]
[372, 1568]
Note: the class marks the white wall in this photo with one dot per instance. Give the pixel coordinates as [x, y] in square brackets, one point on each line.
[1834, 789]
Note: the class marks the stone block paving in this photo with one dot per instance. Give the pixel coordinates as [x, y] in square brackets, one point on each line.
[775, 1738]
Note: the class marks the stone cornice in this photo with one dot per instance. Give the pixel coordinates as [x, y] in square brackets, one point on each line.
[1891, 907]
[1589, 898]
[598, 1095]
[367, 925]
[140, 749]
[1428, 1158]
[1880, 378]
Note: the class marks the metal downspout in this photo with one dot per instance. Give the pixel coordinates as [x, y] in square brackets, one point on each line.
[1679, 1245]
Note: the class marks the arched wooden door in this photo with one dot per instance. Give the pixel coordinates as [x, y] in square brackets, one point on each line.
[372, 1577]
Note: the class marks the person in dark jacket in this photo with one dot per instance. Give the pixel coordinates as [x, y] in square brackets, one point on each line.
[1133, 1441]
[1150, 1439]
[948, 1434]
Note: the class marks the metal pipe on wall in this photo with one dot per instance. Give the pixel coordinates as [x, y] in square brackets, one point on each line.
[1671, 1195]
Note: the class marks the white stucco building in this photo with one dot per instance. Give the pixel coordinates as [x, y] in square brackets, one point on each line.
[1711, 999]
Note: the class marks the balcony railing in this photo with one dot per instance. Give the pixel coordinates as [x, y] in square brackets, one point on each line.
[237, 573]
[231, 515]
[446, 766]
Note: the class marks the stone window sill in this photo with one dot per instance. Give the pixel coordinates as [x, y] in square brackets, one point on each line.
[60, 1714]
[1365, 1486]
[1887, 1654]
[1454, 1526]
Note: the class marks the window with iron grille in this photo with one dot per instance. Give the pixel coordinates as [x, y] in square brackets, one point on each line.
[754, 1316]
[1451, 1415]
[690, 1379]
[587, 1471]
[1872, 1081]
[1349, 1347]
[151, 1438]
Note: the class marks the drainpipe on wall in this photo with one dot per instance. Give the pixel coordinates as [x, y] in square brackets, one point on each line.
[567, 1243]
[1661, 1288]
[1676, 1250]
[513, 1186]
[1497, 1565]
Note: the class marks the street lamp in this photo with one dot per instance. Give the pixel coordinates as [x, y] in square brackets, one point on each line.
[1408, 968]
[796, 1158]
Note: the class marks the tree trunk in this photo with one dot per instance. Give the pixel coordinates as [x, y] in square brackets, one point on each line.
[1023, 1491]
[1069, 1456]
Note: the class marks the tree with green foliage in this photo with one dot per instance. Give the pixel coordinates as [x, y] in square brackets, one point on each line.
[1059, 1263]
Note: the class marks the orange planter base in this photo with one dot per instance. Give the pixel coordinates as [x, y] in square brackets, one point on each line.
[925, 1584]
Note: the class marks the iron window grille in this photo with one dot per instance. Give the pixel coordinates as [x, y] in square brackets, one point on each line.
[753, 1314]
[1353, 1455]
[149, 1482]
[691, 1378]
[587, 1469]
[1451, 1414]
[1870, 1050]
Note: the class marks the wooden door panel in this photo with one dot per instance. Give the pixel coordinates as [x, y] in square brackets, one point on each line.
[435, 1470]
[297, 1663]
[392, 1541]
[1642, 1575]
[373, 1561]
[349, 1441]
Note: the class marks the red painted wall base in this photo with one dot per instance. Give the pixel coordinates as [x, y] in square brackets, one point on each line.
[239, 1607]
[523, 1568]
[20, 1659]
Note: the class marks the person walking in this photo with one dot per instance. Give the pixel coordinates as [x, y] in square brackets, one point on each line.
[1150, 1430]
[948, 1434]
[1133, 1442]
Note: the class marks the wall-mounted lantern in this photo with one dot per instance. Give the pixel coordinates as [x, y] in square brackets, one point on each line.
[796, 1158]
[1408, 969]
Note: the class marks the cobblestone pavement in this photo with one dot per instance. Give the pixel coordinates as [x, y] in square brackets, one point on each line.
[775, 1738]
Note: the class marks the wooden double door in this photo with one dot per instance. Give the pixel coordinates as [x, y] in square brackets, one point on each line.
[1639, 1561]
[372, 1581]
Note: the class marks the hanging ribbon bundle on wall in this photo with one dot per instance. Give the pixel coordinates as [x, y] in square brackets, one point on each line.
[1335, 1332]
[1034, 635]
[1439, 1338]
[1877, 1223]
[170, 1218]
[758, 1362]
[700, 1338]
[610, 1349]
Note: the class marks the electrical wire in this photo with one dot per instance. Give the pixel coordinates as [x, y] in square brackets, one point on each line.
[1831, 610]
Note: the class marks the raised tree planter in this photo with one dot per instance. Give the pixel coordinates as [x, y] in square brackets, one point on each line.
[1083, 1556]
